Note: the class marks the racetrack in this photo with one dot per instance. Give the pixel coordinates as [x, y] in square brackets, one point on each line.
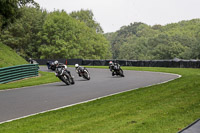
[27, 101]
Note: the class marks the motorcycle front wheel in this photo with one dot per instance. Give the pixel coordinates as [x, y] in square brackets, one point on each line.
[71, 80]
[66, 79]
[121, 73]
[86, 75]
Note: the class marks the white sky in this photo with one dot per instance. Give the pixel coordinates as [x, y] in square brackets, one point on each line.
[113, 14]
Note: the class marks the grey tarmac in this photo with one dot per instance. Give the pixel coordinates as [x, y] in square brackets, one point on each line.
[23, 102]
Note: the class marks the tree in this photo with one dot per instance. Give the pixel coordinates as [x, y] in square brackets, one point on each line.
[23, 3]
[135, 50]
[87, 17]
[157, 42]
[9, 10]
[22, 35]
[170, 51]
[65, 37]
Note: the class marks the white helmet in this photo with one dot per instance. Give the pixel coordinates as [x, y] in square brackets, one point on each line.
[76, 65]
[65, 66]
[56, 62]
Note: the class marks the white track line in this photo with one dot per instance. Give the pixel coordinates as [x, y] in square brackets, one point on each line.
[179, 76]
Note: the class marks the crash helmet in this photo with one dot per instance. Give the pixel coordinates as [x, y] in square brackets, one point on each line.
[110, 63]
[76, 65]
[56, 62]
[65, 66]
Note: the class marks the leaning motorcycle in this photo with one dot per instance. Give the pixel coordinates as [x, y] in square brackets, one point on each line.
[64, 76]
[83, 72]
[117, 71]
[51, 65]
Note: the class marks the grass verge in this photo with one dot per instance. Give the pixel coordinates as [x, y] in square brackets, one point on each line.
[44, 78]
[164, 108]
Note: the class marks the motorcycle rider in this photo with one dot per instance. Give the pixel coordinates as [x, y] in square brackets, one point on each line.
[78, 69]
[62, 65]
[49, 64]
[30, 60]
[113, 66]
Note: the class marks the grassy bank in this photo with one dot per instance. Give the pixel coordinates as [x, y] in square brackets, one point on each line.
[164, 108]
[9, 57]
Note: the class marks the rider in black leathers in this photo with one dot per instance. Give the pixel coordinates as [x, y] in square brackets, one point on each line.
[79, 69]
[62, 65]
[113, 66]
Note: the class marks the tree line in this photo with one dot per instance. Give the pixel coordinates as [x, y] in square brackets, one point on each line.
[139, 41]
[36, 33]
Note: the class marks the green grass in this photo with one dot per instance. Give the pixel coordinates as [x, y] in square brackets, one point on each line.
[43, 78]
[8, 57]
[164, 108]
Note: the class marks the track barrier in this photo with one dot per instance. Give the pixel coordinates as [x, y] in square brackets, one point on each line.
[8, 74]
[138, 63]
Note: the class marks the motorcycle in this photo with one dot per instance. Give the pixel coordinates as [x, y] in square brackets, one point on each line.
[51, 65]
[64, 76]
[83, 72]
[117, 71]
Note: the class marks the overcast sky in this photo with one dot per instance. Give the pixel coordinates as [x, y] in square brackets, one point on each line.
[112, 14]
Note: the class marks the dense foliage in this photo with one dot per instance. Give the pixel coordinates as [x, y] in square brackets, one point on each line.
[37, 33]
[87, 17]
[41, 34]
[22, 35]
[143, 42]
[10, 10]
[63, 36]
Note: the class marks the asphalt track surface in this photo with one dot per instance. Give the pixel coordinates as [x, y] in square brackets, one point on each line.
[192, 128]
[23, 102]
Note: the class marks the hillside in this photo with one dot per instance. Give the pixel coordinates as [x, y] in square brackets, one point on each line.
[139, 41]
[9, 57]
